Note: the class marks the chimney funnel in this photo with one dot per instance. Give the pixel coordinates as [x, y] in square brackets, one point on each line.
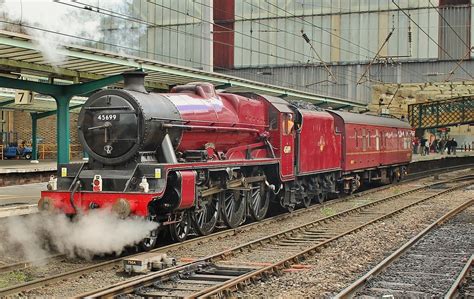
[135, 80]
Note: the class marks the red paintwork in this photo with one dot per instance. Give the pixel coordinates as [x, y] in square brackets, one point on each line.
[386, 146]
[138, 201]
[320, 145]
[188, 189]
[237, 130]
[219, 110]
[224, 34]
[287, 153]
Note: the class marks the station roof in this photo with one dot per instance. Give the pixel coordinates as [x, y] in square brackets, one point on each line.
[20, 53]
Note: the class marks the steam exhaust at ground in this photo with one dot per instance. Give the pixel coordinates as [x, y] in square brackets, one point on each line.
[98, 232]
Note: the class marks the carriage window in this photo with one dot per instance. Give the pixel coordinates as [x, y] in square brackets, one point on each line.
[288, 123]
[356, 138]
[368, 138]
[377, 140]
[364, 140]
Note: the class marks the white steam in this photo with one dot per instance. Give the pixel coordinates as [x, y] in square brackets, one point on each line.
[96, 233]
[54, 23]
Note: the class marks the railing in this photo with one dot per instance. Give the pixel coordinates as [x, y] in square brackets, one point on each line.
[49, 151]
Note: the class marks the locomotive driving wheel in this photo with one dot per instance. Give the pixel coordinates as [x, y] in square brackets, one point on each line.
[179, 230]
[232, 207]
[149, 242]
[204, 218]
[258, 201]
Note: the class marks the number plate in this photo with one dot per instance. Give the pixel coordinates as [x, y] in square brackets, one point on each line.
[108, 117]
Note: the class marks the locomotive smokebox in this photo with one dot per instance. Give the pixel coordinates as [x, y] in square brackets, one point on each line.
[135, 80]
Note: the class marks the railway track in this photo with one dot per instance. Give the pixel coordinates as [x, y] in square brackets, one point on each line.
[463, 286]
[424, 267]
[114, 263]
[229, 270]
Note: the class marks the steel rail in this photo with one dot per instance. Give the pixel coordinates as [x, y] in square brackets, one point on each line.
[360, 283]
[453, 291]
[297, 257]
[27, 264]
[217, 235]
[147, 280]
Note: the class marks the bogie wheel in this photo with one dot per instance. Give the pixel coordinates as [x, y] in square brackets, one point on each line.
[204, 218]
[179, 230]
[320, 196]
[258, 201]
[232, 207]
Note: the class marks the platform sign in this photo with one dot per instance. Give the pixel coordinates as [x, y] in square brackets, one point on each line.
[24, 97]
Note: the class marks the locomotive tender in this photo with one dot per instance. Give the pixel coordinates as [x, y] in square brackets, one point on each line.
[193, 158]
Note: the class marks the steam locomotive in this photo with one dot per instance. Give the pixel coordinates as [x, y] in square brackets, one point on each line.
[195, 158]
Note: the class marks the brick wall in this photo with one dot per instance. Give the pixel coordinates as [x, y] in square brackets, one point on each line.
[46, 131]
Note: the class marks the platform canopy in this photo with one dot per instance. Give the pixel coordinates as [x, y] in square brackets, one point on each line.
[21, 54]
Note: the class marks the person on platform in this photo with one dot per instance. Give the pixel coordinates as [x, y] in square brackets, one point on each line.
[416, 143]
[442, 145]
[427, 147]
[454, 145]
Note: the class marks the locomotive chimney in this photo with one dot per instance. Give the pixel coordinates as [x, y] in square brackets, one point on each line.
[135, 80]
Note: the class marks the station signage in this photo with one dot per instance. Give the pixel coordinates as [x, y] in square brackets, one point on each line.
[24, 97]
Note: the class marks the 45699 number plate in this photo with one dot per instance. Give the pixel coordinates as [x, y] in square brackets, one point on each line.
[108, 117]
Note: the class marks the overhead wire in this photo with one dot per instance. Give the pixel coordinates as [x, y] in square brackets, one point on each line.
[431, 38]
[305, 21]
[127, 17]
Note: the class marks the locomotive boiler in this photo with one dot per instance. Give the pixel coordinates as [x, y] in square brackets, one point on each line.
[194, 158]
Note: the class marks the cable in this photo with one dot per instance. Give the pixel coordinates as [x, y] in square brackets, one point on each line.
[432, 39]
[122, 16]
[449, 25]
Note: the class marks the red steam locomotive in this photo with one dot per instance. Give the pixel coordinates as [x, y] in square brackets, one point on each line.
[193, 158]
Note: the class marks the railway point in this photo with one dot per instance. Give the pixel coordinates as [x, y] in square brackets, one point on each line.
[230, 148]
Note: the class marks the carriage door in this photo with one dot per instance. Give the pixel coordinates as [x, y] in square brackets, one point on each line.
[287, 145]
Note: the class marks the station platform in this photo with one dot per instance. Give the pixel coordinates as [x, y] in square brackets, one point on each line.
[25, 166]
[436, 156]
[19, 172]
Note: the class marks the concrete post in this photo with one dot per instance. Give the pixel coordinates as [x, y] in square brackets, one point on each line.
[34, 138]
[207, 49]
[62, 129]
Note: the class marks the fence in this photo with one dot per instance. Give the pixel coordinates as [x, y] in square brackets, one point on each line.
[49, 151]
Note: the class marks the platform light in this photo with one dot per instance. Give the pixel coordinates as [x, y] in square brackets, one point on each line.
[144, 186]
[52, 183]
[97, 183]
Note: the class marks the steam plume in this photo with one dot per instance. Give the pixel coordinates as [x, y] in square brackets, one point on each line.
[96, 233]
[75, 21]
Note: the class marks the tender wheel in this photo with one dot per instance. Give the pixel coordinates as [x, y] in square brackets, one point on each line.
[204, 218]
[179, 230]
[232, 208]
[306, 202]
[258, 201]
[320, 196]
